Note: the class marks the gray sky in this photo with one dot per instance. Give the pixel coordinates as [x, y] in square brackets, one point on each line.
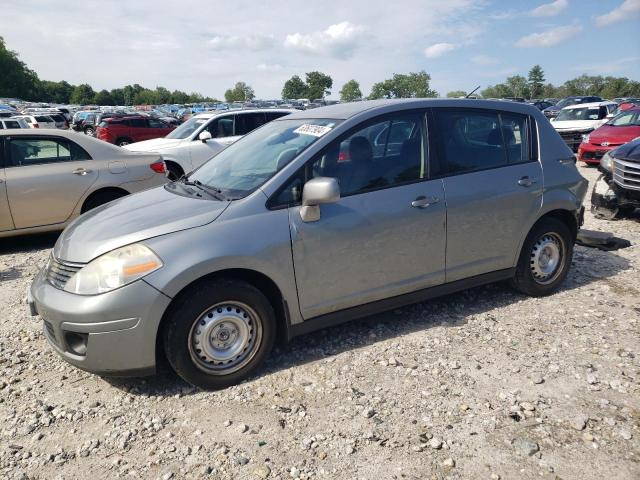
[207, 46]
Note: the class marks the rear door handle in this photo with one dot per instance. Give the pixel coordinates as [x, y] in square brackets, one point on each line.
[526, 182]
[81, 171]
[424, 202]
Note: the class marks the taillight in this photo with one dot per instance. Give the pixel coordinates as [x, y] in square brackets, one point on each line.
[35, 125]
[158, 167]
[343, 157]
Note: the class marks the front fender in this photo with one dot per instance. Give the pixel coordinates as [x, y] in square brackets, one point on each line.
[259, 242]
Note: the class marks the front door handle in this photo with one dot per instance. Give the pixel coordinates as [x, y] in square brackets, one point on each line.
[424, 202]
[81, 171]
[526, 182]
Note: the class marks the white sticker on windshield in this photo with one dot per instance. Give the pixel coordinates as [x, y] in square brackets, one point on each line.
[314, 130]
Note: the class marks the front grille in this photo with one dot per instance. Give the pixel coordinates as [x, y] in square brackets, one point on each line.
[572, 139]
[59, 273]
[50, 332]
[596, 155]
[626, 174]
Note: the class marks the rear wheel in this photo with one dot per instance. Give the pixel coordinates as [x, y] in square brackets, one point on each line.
[89, 131]
[218, 333]
[121, 142]
[100, 198]
[545, 258]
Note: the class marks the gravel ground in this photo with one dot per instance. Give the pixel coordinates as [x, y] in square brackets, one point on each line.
[484, 384]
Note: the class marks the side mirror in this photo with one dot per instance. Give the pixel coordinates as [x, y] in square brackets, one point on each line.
[204, 136]
[316, 192]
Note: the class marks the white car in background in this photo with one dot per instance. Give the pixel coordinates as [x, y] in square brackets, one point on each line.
[38, 121]
[577, 120]
[203, 135]
[12, 122]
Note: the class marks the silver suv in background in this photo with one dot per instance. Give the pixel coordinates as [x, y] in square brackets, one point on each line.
[311, 220]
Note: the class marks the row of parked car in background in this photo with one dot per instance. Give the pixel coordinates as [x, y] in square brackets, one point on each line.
[590, 126]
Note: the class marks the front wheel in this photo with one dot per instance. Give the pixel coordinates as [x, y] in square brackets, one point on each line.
[545, 258]
[218, 333]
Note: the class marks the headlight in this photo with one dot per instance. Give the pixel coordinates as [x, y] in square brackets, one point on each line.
[606, 162]
[113, 270]
[585, 137]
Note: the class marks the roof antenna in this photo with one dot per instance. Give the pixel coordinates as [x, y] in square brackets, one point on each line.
[472, 92]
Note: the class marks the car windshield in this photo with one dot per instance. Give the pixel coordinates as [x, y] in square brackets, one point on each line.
[245, 165]
[586, 113]
[630, 118]
[187, 128]
[569, 101]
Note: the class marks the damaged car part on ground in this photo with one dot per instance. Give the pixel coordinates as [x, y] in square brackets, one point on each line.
[299, 208]
[617, 191]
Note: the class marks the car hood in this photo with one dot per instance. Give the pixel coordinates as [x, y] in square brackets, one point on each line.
[154, 145]
[614, 135]
[132, 219]
[565, 125]
[629, 151]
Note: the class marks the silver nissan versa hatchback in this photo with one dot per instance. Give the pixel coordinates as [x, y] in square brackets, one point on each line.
[311, 220]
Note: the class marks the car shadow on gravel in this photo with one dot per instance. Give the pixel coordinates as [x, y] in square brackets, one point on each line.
[589, 265]
[27, 243]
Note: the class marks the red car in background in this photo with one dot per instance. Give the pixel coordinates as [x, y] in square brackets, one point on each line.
[131, 128]
[621, 129]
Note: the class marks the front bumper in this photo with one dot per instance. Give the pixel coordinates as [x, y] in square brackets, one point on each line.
[109, 334]
[592, 154]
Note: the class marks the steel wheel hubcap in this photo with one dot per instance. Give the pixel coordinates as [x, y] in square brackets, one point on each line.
[225, 338]
[547, 257]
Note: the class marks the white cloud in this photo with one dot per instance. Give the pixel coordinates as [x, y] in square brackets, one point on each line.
[438, 49]
[550, 9]
[550, 37]
[248, 42]
[627, 9]
[484, 60]
[338, 41]
[269, 67]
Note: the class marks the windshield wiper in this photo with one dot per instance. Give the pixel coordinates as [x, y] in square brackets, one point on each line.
[213, 191]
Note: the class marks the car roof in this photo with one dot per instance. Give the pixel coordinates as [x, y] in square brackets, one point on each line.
[590, 104]
[343, 111]
[246, 110]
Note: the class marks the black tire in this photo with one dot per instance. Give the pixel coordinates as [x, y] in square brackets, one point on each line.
[174, 171]
[121, 142]
[100, 198]
[198, 304]
[550, 233]
[89, 131]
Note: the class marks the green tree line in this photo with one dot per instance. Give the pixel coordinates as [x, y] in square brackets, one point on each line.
[534, 86]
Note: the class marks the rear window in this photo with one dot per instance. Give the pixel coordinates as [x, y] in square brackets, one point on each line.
[103, 124]
[43, 119]
[11, 124]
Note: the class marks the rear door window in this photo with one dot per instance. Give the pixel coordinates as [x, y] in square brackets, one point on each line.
[138, 122]
[153, 123]
[246, 122]
[473, 140]
[274, 115]
[36, 151]
[11, 124]
[221, 127]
